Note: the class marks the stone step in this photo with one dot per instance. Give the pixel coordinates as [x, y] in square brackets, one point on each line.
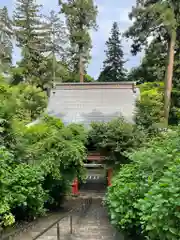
[43, 223]
[95, 224]
[92, 224]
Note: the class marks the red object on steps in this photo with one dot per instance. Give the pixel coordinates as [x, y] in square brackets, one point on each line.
[75, 187]
[109, 176]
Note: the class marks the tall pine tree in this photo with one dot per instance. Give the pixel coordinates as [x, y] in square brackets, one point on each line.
[56, 45]
[31, 38]
[113, 66]
[6, 35]
[81, 17]
[153, 64]
[157, 18]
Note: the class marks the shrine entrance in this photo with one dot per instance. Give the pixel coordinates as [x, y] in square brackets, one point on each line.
[96, 178]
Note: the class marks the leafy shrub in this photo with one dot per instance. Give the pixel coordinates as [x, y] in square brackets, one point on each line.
[31, 101]
[58, 150]
[6, 162]
[160, 208]
[43, 162]
[134, 180]
[149, 109]
[37, 163]
[115, 138]
[20, 186]
[25, 185]
[174, 115]
[23, 102]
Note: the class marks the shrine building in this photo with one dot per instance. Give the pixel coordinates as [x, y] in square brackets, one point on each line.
[93, 102]
[85, 103]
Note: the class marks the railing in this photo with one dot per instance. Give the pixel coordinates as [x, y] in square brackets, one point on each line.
[84, 207]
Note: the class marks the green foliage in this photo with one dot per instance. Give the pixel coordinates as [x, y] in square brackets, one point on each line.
[2, 79]
[88, 78]
[6, 35]
[159, 208]
[29, 31]
[160, 20]
[56, 44]
[143, 198]
[20, 186]
[152, 18]
[31, 100]
[59, 150]
[74, 77]
[78, 132]
[153, 64]
[45, 159]
[114, 139]
[113, 67]
[149, 108]
[17, 75]
[43, 42]
[23, 102]
[79, 23]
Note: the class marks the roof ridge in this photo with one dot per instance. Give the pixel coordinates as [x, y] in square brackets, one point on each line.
[93, 83]
[92, 86]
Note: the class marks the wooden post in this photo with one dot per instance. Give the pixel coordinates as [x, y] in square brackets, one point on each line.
[109, 176]
[75, 187]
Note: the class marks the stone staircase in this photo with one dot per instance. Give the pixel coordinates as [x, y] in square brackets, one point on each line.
[90, 222]
[30, 231]
[95, 224]
[95, 195]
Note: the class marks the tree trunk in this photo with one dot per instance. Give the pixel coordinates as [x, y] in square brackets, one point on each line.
[169, 77]
[54, 68]
[81, 69]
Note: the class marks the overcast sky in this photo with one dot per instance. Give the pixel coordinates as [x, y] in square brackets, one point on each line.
[109, 11]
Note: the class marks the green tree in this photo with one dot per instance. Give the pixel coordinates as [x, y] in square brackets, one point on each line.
[88, 78]
[157, 18]
[39, 162]
[149, 108]
[81, 17]
[58, 68]
[113, 69]
[23, 102]
[56, 45]
[114, 139]
[31, 38]
[153, 69]
[32, 101]
[6, 35]
[153, 65]
[144, 194]
[16, 75]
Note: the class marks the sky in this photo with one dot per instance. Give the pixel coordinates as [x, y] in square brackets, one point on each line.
[109, 11]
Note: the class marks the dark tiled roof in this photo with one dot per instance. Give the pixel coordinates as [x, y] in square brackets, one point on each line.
[92, 102]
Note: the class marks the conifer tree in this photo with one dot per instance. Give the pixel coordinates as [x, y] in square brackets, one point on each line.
[81, 17]
[153, 64]
[157, 18]
[6, 35]
[113, 66]
[56, 45]
[31, 38]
